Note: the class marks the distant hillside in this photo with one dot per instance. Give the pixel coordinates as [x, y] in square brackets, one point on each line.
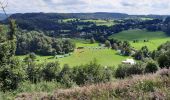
[2, 17]
[56, 23]
[99, 15]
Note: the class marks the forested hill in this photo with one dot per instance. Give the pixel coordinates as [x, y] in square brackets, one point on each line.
[99, 15]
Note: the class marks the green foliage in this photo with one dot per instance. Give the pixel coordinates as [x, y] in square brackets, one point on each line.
[107, 44]
[11, 75]
[121, 71]
[142, 53]
[30, 58]
[51, 71]
[33, 72]
[92, 73]
[138, 69]
[92, 40]
[11, 72]
[39, 43]
[66, 76]
[151, 67]
[125, 70]
[164, 60]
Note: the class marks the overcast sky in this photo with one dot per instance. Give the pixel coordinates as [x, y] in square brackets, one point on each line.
[161, 7]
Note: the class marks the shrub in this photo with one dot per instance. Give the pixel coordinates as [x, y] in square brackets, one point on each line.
[151, 67]
[30, 57]
[107, 44]
[33, 72]
[125, 70]
[11, 75]
[51, 71]
[121, 71]
[92, 73]
[65, 76]
[136, 69]
[163, 61]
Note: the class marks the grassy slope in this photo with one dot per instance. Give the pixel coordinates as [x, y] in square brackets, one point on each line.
[155, 38]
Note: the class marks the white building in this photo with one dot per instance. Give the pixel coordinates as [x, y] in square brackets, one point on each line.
[129, 61]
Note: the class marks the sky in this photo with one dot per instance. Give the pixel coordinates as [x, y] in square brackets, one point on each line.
[139, 7]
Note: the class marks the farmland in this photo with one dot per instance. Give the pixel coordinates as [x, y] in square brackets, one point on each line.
[155, 38]
[104, 56]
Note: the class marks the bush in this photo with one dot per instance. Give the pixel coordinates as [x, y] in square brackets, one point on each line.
[151, 67]
[136, 69]
[11, 75]
[92, 73]
[34, 73]
[163, 61]
[65, 76]
[125, 70]
[30, 57]
[51, 71]
[121, 71]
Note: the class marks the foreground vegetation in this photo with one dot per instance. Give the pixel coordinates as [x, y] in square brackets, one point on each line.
[151, 86]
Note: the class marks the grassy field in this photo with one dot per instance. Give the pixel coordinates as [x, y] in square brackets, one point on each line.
[104, 56]
[138, 34]
[101, 22]
[155, 38]
[152, 44]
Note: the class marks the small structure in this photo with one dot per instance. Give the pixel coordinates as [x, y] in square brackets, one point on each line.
[129, 61]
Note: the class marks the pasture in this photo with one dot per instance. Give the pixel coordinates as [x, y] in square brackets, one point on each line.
[100, 22]
[103, 56]
[155, 38]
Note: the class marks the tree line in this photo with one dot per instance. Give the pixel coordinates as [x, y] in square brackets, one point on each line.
[37, 42]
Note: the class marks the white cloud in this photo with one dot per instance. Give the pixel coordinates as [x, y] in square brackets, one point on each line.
[72, 6]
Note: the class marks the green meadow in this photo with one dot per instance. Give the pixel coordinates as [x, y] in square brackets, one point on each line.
[155, 38]
[101, 22]
[103, 56]
[98, 22]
